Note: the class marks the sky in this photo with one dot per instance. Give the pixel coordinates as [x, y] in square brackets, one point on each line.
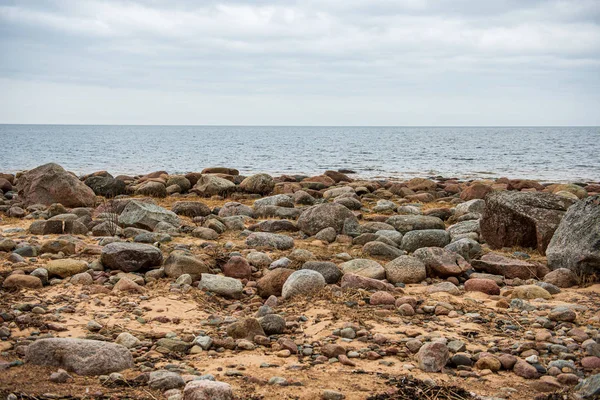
[314, 62]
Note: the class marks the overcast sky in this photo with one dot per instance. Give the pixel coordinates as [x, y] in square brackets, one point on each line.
[319, 62]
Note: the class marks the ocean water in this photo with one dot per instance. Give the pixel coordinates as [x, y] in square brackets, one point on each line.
[545, 153]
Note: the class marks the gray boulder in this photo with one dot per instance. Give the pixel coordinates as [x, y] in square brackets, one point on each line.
[190, 209]
[82, 356]
[321, 216]
[405, 269]
[106, 186]
[130, 257]
[143, 215]
[329, 270]
[165, 380]
[258, 184]
[363, 267]
[469, 249]
[211, 185]
[269, 240]
[302, 282]
[414, 240]
[407, 223]
[576, 242]
[221, 285]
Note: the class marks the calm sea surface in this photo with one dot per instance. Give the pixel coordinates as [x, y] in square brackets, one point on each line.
[546, 153]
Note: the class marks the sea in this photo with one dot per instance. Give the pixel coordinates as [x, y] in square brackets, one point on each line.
[552, 154]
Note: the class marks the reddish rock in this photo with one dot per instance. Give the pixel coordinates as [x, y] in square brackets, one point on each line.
[497, 264]
[237, 267]
[50, 183]
[522, 219]
[520, 184]
[423, 184]
[381, 297]
[22, 281]
[487, 286]
[476, 191]
[5, 185]
[561, 277]
[272, 283]
[360, 282]
[525, 370]
[332, 350]
[590, 362]
[508, 361]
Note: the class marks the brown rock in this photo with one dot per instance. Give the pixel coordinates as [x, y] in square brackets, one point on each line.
[476, 191]
[487, 286]
[361, 282]
[525, 370]
[332, 350]
[247, 329]
[381, 297]
[272, 283]
[237, 267]
[497, 264]
[22, 281]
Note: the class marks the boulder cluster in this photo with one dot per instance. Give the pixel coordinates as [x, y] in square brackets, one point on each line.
[476, 278]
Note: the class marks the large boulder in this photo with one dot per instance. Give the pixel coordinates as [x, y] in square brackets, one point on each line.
[329, 215]
[363, 267]
[414, 240]
[576, 243]
[143, 215]
[210, 185]
[526, 219]
[65, 267]
[106, 186]
[511, 268]
[258, 184]
[50, 183]
[82, 356]
[130, 257]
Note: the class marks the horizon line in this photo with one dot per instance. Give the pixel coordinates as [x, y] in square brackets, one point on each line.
[313, 126]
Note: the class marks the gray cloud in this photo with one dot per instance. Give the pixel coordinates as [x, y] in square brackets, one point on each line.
[384, 62]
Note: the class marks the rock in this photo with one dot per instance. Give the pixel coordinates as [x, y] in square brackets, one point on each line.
[405, 269]
[205, 233]
[360, 282]
[272, 283]
[562, 314]
[575, 244]
[65, 267]
[464, 228]
[488, 362]
[50, 183]
[182, 262]
[130, 257]
[272, 324]
[381, 297]
[106, 186]
[589, 388]
[67, 247]
[302, 283]
[232, 208]
[190, 209]
[211, 185]
[269, 240]
[476, 191]
[82, 278]
[528, 292]
[174, 345]
[561, 277]
[60, 376]
[237, 267]
[332, 350]
[246, 329]
[127, 285]
[363, 267]
[329, 270]
[414, 240]
[207, 390]
[222, 285]
[7, 245]
[432, 357]
[475, 206]
[487, 286]
[127, 340]
[329, 215]
[279, 200]
[147, 216]
[469, 249]
[82, 356]
[442, 262]
[382, 250]
[332, 395]
[522, 219]
[152, 189]
[327, 235]
[525, 370]
[259, 259]
[407, 223]
[15, 281]
[41, 273]
[165, 380]
[258, 184]
[511, 268]
[444, 287]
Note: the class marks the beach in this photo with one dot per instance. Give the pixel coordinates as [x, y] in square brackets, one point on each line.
[270, 287]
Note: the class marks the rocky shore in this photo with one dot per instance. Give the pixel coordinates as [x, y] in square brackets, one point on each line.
[212, 285]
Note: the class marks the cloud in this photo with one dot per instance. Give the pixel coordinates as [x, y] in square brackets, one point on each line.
[328, 48]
